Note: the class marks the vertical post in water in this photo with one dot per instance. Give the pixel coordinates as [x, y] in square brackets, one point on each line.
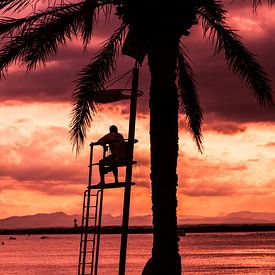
[128, 176]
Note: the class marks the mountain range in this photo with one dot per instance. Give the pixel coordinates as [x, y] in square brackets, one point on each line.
[60, 219]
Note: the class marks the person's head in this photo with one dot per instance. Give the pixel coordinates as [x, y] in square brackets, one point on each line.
[113, 129]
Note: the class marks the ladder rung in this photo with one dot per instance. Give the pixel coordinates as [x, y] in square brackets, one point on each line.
[91, 240]
[91, 195]
[88, 251]
[86, 263]
[91, 206]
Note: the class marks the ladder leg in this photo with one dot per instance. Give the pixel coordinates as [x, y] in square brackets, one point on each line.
[81, 254]
[86, 228]
[87, 236]
[95, 231]
[98, 230]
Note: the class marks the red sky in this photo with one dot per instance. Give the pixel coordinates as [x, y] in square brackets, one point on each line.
[39, 172]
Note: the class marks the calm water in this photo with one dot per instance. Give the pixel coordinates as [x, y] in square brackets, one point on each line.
[230, 253]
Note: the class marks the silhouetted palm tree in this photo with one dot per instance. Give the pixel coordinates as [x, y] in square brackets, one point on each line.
[155, 30]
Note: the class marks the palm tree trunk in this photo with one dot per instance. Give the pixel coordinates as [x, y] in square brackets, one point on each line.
[162, 58]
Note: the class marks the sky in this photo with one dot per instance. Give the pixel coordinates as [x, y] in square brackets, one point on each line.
[39, 172]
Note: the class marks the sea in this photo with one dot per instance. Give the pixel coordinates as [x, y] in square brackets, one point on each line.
[203, 253]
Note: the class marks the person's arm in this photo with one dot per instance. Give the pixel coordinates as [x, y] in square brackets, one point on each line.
[105, 138]
[121, 137]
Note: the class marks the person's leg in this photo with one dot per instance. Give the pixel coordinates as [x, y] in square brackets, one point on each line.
[115, 172]
[102, 171]
[105, 166]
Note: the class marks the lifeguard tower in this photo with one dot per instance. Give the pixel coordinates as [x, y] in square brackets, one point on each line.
[93, 195]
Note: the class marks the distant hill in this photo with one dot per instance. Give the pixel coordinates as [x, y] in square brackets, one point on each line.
[58, 219]
[243, 217]
[61, 219]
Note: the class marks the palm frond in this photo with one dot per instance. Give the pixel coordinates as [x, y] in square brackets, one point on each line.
[35, 5]
[20, 5]
[87, 21]
[257, 3]
[13, 26]
[189, 98]
[15, 4]
[88, 86]
[41, 34]
[239, 59]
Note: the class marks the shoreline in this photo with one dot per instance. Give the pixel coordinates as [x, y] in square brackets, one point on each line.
[190, 228]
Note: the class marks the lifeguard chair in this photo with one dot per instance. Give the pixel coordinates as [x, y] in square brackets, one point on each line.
[93, 196]
[112, 165]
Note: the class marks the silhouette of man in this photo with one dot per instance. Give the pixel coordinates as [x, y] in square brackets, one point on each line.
[107, 164]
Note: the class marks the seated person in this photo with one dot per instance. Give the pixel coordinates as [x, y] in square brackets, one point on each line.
[107, 164]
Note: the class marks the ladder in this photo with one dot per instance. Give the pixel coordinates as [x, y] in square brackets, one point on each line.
[91, 218]
[90, 225]
[90, 213]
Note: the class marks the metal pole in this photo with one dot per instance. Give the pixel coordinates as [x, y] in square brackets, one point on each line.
[94, 235]
[128, 176]
[98, 230]
[81, 255]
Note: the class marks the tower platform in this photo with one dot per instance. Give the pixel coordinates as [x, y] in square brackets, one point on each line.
[111, 185]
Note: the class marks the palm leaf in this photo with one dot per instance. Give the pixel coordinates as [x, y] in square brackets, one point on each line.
[11, 26]
[189, 98]
[257, 3]
[88, 19]
[19, 5]
[88, 86]
[41, 34]
[240, 61]
[15, 4]
[34, 5]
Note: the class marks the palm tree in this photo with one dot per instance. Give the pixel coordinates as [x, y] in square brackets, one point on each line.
[155, 31]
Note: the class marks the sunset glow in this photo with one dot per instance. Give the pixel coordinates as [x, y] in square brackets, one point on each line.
[39, 172]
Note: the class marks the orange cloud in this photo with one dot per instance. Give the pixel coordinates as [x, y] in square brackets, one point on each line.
[39, 173]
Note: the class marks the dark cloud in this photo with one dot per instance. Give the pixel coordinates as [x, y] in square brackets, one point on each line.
[52, 188]
[42, 172]
[221, 93]
[212, 178]
[253, 160]
[238, 168]
[54, 83]
[39, 164]
[227, 128]
[270, 144]
[210, 189]
[222, 189]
